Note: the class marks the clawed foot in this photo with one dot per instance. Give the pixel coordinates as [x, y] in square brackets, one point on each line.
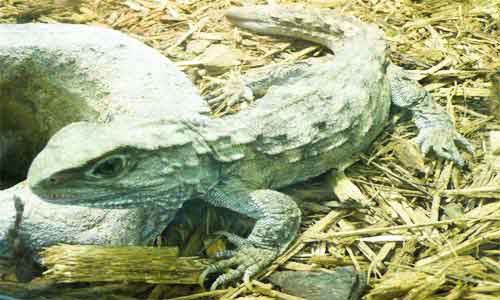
[247, 261]
[442, 142]
[233, 91]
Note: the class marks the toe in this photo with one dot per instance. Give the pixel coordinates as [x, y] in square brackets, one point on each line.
[229, 276]
[250, 272]
[450, 153]
[249, 259]
[234, 99]
[419, 139]
[425, 147]
[248, 94]
[217, 267]
[203, 276]
[216, 100]
[465, 143]
[441, 152]
[455, 155]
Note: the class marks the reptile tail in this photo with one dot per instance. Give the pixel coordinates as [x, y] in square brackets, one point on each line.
[321, 26]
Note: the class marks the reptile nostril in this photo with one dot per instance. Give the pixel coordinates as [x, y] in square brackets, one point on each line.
[55, 179]
[51, 181]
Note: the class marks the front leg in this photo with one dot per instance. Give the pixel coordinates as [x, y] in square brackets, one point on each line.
[255, 83]
[436, 129]
[277, 222]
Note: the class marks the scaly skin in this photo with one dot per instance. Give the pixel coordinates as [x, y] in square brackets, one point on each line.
[331, 30]
[311, 118]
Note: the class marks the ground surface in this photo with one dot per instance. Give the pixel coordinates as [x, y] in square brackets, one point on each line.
[453, 48]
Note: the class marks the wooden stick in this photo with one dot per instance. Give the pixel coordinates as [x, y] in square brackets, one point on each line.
[71, 263]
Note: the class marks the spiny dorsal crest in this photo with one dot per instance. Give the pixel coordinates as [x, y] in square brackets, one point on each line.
[321, 21]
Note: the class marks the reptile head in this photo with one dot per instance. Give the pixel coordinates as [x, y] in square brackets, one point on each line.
[116, 165]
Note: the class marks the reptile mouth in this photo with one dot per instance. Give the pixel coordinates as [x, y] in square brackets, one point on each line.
[103, 200]
[55, 197]
[60, 197]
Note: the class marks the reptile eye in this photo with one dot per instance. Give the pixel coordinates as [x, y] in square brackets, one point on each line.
[109, 167]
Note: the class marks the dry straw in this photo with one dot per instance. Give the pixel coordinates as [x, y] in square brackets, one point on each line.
[420, 228]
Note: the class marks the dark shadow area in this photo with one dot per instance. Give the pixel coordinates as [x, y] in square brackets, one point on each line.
[32, 109]
[195, 223]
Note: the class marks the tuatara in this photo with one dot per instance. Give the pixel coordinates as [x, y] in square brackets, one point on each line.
[313, 116]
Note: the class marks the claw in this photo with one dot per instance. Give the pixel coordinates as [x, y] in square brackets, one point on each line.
[440, 151]
[456, 157]
[203, 276]
[444, 143]
[215, 93]
[217, 267]
[214, 84]
[426, 147]
[250, 261]
[233, 91]
[251, 271]
[452, 155]
[419, 140]
[217, 282]
[465, 143]
[228, 277]
[459, 160]
[216, 100]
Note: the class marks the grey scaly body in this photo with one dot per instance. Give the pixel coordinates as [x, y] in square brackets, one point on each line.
[312, 116]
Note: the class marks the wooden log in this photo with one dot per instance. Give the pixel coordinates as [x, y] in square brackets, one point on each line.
[71, 263]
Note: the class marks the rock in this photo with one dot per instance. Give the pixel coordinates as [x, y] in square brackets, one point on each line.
[219, 58]
[43, 224]
[197, 46]
[410, 156]
[50, 76]
[343, 284]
